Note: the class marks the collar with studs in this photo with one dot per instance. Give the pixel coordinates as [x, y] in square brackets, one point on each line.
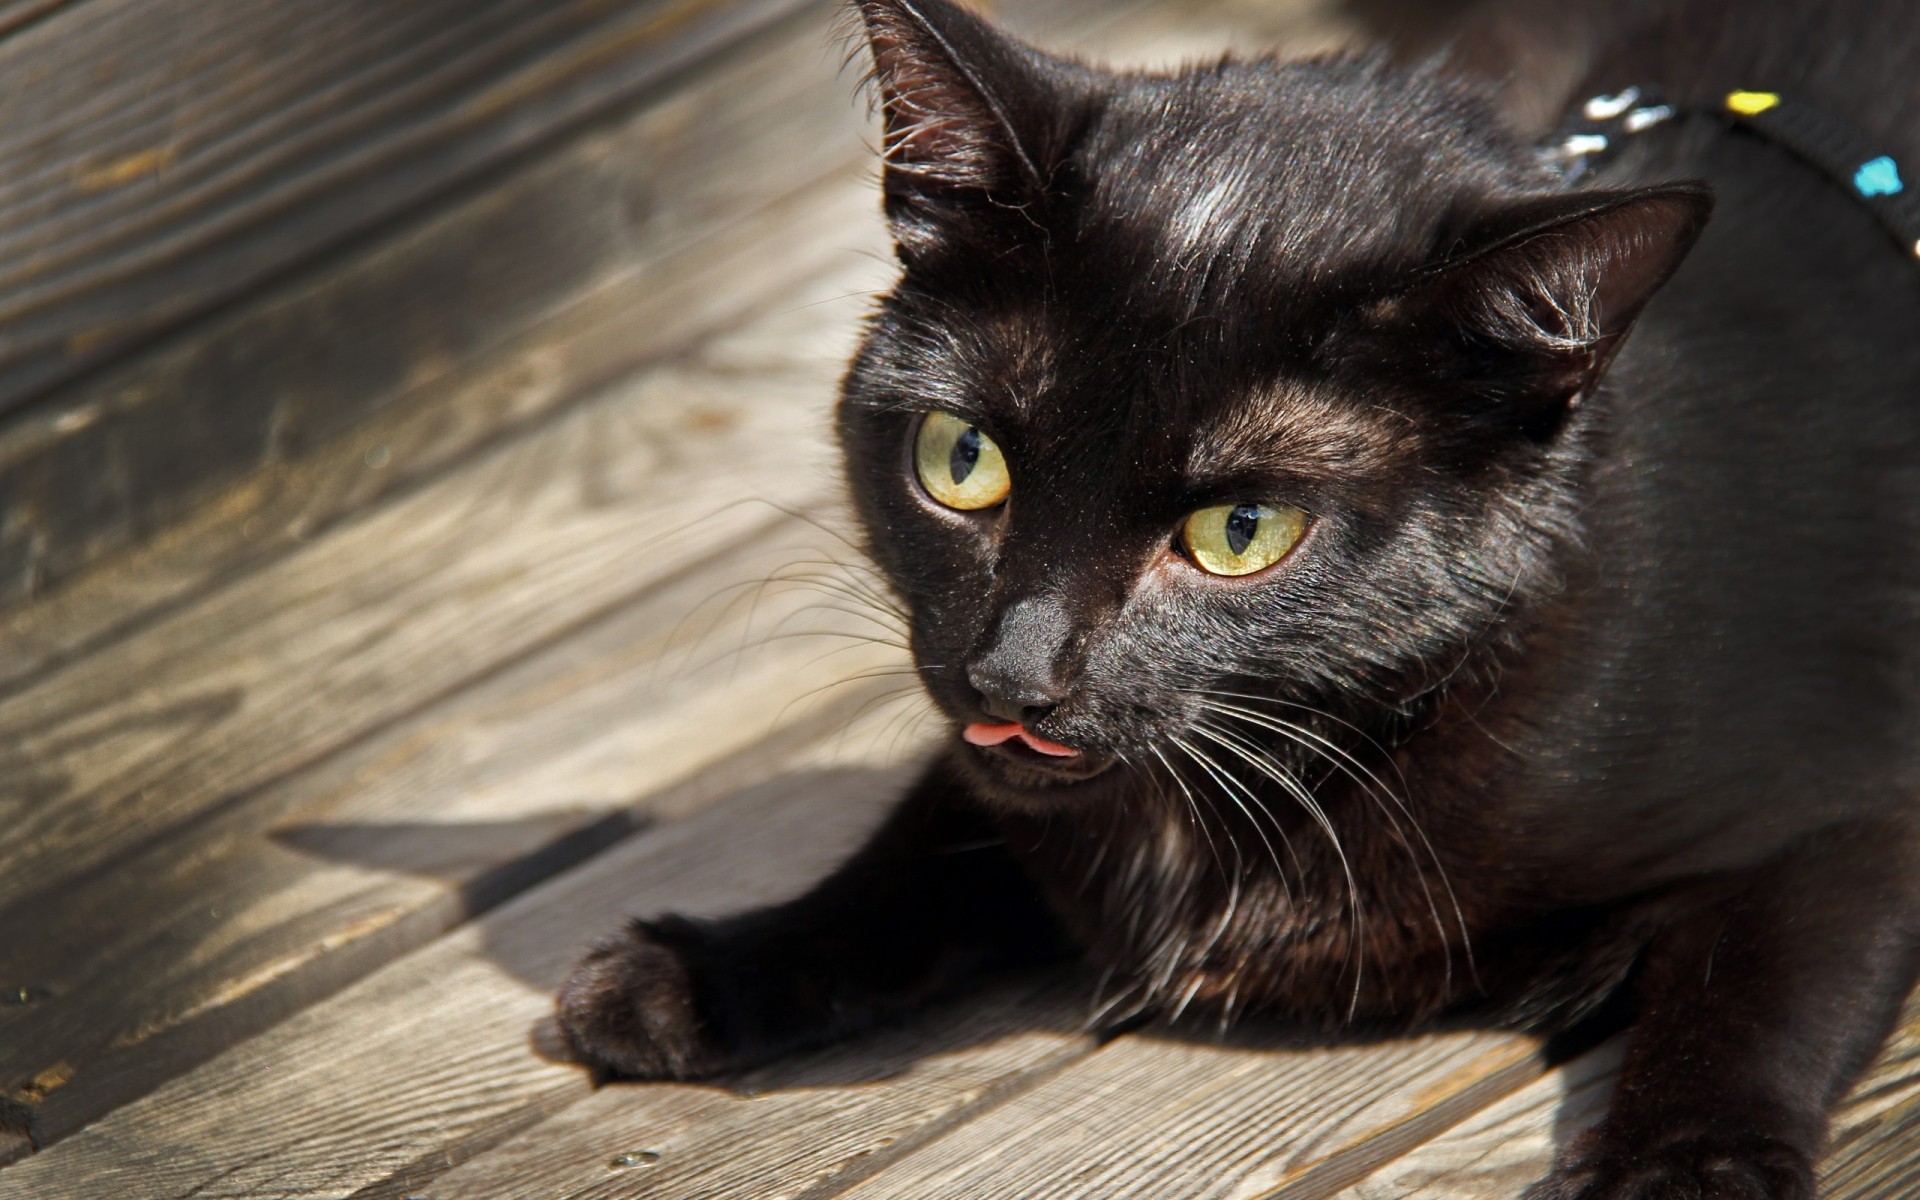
[1603, 124]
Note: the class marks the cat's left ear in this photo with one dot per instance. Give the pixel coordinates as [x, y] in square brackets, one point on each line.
[1522, 318]
[971, 116]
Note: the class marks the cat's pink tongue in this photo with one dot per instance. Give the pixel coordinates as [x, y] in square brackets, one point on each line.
[981, 734]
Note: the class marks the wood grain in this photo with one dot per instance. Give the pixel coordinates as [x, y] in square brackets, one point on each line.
[414, 600]
[436, 1057]
[163, 155]
[419, 312]
[1164, 1118]
[1496, 1154]
[803, 1127]
[423, 313]
[148, 761]
[265, 907]
[687, 300]
[1875, 1154]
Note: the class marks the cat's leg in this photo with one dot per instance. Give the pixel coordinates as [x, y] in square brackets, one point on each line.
[1755, 1015]
[931, 901]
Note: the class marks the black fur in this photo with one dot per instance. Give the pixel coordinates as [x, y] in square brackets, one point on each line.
[1593, 687]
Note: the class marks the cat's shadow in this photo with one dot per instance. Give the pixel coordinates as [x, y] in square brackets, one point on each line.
[487, 862]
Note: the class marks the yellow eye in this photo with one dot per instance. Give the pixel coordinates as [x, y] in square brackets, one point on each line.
[1239, 539]
[958, 465]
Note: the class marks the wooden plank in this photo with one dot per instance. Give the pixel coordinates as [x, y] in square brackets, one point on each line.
[438, 1056]
[265, 907]
[173, 747]
[582, 273]
[407, 604]
[692, 298]
[1151, 1116]
[1143, 1117]
[1497, 1153]
[16, 15]
[802, 1127]
[424, 314]
[431, 312]
[163, 155]
[1875, 1154]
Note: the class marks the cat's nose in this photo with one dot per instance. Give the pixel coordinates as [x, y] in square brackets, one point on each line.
[1018, 676]
[1011, 700]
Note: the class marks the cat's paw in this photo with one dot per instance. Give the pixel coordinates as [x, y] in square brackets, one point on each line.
[1703, 1166]
[629, 1008]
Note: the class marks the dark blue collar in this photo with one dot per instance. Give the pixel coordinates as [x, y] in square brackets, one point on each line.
[1602, 125]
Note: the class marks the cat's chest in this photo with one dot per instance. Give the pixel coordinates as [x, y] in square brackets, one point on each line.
[1301, 923]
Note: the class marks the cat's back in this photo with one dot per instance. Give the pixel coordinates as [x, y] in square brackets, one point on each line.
[1859, 60]
[1747, 661]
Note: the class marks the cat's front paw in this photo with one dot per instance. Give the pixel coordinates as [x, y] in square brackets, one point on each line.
[1701, 1166]
[630, 1008]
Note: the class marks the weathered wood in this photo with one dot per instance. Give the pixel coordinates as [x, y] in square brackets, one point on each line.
[395, 610]
[16, 15]
[1142, 1117]
[73, 742]
[438, 1056]
[1497, 1153]
[1875, 1153]
[162, 156]
[683, 301]
[422, 312]
[803, 1127]
[241, 919]
[1156, 1117]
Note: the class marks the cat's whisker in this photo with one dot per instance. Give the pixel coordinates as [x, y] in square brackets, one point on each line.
[844, 681]
[1379, 795]
[1260, 761]
[869, 602]
[1300, 738]
[1234, 790]
[858, 577]
[1376, 788]
[1236, 878]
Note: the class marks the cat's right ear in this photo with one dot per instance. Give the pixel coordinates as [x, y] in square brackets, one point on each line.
[970, 117]
[1522, 317]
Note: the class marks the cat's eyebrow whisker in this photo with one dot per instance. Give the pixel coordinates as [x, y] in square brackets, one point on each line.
[1259, 761]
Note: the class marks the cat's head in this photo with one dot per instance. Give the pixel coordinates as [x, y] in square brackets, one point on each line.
[1253, 384]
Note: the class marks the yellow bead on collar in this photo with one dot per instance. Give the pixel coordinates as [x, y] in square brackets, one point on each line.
[1752, 104]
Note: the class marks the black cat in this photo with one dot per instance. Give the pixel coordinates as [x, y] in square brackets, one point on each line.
[1340, 618]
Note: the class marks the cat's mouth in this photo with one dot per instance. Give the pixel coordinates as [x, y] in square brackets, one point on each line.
[1013, 744]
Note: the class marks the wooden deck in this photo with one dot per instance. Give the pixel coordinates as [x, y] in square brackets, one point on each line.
[313, 784]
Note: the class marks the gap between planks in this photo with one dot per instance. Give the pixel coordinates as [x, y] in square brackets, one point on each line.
[431, 1053]
[242, 928]
[596, 298]
[1498, 1152]
[506, 686]
[416, 598]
